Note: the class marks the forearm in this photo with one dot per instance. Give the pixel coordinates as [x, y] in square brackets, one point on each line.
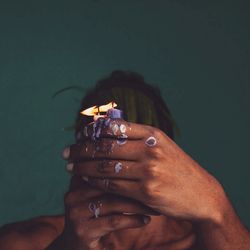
[223, 231]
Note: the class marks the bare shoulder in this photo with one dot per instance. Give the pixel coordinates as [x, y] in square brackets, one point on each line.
[36, 233]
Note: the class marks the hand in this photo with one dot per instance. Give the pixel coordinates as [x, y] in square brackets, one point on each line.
[90, 215]
[143, 163]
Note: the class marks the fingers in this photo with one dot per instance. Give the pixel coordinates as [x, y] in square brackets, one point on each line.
[128, 188]
[105, 225]
[107, 127]
[107, 205]
[108, 168]
[89, 232]
[81, 195]
[105, 148]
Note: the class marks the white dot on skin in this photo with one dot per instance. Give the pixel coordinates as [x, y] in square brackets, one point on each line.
[85, 178]
[151, 141]
[114, 128]
[118, 167]
[97, 212]
[123, 128]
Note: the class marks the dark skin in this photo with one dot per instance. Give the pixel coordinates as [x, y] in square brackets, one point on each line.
[112, 228]
[152, 181]
[161, 176]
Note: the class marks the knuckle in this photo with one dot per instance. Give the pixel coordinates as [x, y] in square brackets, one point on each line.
[153, 170]
[149, 189]
[155, 152]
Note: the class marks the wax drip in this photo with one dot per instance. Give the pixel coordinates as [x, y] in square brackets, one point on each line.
[101, 124]
[114, 128]
[107, 122]
[85, 131]
[110, 148]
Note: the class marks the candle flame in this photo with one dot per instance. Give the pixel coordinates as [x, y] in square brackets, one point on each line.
[96, 110]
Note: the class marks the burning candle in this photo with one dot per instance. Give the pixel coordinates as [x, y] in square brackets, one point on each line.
[107, 110]
[115, 113]
[116, 129]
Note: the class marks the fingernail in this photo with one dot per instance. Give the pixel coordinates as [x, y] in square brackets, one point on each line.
[70, 167]
[66, 153]
[146, 219]
[85, 178]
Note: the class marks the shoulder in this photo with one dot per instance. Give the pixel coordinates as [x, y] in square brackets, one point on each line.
[36, 233]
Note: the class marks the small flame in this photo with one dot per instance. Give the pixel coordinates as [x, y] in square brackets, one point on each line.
[96, 110]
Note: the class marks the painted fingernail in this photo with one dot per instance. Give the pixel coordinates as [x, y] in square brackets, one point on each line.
[66, 153]
[146, 219]
[85, 178]
[70, 167]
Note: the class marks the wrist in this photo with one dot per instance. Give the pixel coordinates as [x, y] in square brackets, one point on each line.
[220, 209]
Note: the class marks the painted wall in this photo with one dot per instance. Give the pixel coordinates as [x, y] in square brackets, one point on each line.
[196, 51]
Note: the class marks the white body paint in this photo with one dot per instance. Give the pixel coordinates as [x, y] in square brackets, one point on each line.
[94, 209]
[151, 141]
[114, 128]
[118, 167]
[123, 128]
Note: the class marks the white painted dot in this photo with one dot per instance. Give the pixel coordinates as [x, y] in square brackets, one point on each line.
[123, 128]
[118, 167]
[151, 141]
[114, 128]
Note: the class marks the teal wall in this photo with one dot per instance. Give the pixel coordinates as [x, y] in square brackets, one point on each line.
[196, 51]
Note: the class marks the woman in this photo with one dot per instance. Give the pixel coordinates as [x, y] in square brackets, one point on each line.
[132, 187]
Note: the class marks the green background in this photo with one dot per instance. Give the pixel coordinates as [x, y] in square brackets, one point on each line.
[196, 51]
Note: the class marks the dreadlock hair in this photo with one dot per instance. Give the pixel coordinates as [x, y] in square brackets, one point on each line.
[141, 102]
